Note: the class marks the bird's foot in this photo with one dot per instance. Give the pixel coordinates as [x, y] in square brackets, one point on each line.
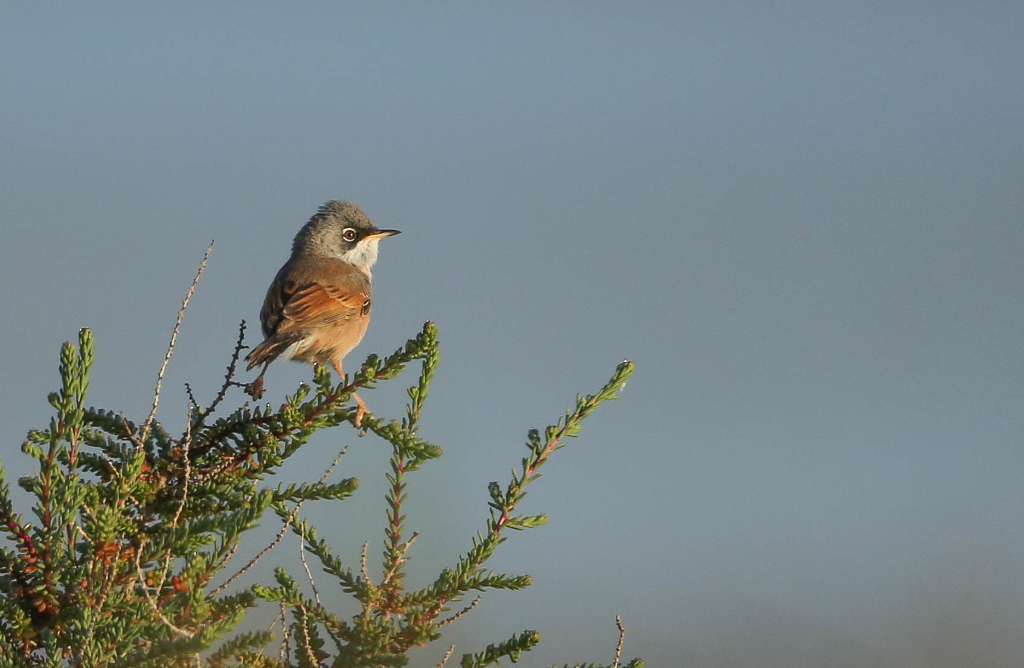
[255, 388]
[360, 411]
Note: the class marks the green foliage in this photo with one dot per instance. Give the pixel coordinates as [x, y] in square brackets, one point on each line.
[132, 528]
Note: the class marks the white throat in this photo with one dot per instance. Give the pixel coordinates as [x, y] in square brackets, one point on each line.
[363, 255]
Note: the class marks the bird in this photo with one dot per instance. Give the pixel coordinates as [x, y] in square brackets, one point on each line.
[318, 305]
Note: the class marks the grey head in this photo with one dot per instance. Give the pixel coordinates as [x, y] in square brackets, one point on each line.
[340, 230]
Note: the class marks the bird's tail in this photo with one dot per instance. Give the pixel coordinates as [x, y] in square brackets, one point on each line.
[269, 350]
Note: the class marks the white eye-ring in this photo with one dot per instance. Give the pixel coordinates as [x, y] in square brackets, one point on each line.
[349, 234]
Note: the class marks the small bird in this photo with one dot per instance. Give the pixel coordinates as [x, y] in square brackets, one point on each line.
[318, 306]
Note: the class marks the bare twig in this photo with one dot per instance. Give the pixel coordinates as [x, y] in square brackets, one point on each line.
[128, 432]
[270, 629]
[285, 635]
[622, 637]
[309, 574]
[262, 553]
[305, 636]
[191, 397]
[239, 346]
[186, 442]
[170, 346]
[312, 583]
[449, 620]
[447, 655]
[149, 599]
[362, 563]
[227, 557]
[334, 463]
[280, 534]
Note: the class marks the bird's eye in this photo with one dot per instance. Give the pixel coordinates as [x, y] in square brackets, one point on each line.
[348, 234]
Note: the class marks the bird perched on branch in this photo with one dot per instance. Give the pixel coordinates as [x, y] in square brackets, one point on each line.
[318, 306]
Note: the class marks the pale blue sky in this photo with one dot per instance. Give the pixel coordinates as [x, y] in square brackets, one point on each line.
[802, 221]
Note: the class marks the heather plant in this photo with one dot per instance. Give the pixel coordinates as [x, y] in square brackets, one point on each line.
[132, 556]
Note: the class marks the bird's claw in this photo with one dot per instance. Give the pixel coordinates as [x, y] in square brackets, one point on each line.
[255, 388]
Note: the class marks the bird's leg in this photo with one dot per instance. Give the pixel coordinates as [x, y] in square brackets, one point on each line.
[360, 405]
[255, 388]
[360, 409]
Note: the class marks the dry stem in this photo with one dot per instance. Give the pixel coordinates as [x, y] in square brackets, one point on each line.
[170, 346]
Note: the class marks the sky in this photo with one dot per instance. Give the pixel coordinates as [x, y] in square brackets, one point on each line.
[802, 221]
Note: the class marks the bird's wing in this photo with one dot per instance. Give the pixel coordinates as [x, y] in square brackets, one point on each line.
[317, 305]
[295, 302]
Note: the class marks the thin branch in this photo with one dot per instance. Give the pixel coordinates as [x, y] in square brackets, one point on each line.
[399, 558]
[285, 629]
[329, 403]
[362, 563]
[224, 560]
[152, 603]
[449, 620]
[239, 346]
[186, 442]
[170, 346]
[316, 593]
[262, 553]
[129, 433]
[284, 529]
[191, 396]
[622, 637]
[539, 453]
[185, 445]
[447, 655]
[309, 574]
[305, 636]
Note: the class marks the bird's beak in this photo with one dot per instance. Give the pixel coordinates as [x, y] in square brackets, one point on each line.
[381, 234]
